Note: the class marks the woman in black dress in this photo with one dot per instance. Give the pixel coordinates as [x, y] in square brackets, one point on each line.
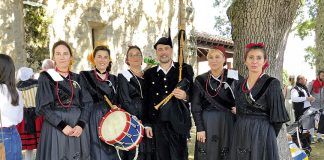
[130, 89]
[260, 110]
[212, 103]
[99, 83]
[59, 98]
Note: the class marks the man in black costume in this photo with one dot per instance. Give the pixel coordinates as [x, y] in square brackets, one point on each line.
[168, 125]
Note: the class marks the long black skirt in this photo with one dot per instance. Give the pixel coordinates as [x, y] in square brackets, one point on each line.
[219, 128]
[99, 150]
[54, 144]
[254, 138]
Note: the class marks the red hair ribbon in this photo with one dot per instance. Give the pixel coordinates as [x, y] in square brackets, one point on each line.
[250, 45]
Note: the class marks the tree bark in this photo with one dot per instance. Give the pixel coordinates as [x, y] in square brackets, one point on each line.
[267, 21]
[319, 37]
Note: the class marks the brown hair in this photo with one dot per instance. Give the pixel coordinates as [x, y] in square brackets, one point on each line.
[103, 48]
[129, 48]
[60, 42]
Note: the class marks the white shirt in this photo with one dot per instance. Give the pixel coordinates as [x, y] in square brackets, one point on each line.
[295, 97]
[10, 115]
[165, 72]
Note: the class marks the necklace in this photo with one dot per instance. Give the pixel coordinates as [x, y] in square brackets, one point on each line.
[137, 82]
[99, 78]
[245, 88]
[138, 73]
[219, 86]
[72, 89]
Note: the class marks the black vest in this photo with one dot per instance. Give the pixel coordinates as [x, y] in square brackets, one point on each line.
[300, 94]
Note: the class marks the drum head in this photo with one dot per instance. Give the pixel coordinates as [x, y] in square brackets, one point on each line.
[113, 125]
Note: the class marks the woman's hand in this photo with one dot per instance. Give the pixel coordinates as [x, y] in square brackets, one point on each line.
[77, 131]
[233, 110]
[201, 136]
[68, 131]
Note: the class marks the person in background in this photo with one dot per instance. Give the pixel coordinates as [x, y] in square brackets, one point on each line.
[288, 102]
[11, 109]
[65, 107]
[46, 64]
[316, 89]
[260, 110]
[29, 129]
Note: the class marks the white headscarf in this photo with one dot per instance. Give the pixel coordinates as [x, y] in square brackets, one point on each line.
[25, 73]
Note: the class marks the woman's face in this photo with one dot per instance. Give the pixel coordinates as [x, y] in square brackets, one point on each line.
[215, 59]
[134, 57]
[102, 60]
[62, 57]
[255, 60]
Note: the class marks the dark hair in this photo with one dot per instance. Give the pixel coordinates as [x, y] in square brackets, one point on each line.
[129, 48]
[60, 42]
[7, 76]
[319, 72]
[255, 48]
[103, 48]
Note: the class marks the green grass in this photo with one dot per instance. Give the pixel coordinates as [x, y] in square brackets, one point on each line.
[317, 151]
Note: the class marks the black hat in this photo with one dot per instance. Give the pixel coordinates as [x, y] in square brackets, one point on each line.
[164, 41]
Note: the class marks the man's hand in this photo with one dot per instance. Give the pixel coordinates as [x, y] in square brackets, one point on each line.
[311, 99]
[149, 132]
[179, 94]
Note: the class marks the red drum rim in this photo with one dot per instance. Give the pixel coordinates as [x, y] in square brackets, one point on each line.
[122, 135]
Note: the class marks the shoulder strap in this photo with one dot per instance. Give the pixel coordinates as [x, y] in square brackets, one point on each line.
[264, 88]
[212, 101]
[52, 83]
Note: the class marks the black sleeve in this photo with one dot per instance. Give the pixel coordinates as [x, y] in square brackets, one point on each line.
[277, 127]
[276, 103]
[196, 107]
[147, 108]
[124, 96]
[86, 102]
[189, 76]
[44, 101]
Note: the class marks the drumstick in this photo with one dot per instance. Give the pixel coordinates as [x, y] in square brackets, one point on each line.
[109, 102]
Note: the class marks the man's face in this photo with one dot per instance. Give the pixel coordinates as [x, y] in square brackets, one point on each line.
[164, 53]
[303, 80]
[321, 77]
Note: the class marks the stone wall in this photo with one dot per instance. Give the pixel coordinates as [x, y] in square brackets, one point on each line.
[11, 31]
[116, 23]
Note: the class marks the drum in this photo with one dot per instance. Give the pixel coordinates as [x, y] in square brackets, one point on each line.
[121, 130]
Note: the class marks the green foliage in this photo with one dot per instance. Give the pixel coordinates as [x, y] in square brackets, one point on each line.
[305, 28]
[311, 56]
[36, 35]
[285, 77]
[150, 61]
[222, 24]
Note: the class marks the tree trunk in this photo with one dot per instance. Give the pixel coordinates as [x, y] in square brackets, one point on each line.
[267, 21]
[12, 32]
[319, 37]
